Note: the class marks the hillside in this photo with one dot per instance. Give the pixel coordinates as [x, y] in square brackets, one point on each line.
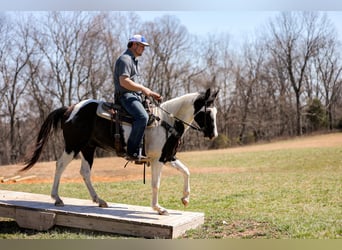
[112, 169]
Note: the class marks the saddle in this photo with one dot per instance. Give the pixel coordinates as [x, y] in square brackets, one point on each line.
[115, 112]
[109, 111]
[118, 115]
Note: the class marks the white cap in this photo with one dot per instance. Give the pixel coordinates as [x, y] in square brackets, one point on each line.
[139, 39]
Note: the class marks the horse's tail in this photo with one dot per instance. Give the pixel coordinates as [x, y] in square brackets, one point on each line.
[44, 133]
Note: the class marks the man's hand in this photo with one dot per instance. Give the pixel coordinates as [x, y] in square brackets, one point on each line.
[149, 93]
[127, 83]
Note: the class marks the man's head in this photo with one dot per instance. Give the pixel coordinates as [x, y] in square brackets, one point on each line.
[137, 44]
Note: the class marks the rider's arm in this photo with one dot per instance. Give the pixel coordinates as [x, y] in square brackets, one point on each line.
[127, 83]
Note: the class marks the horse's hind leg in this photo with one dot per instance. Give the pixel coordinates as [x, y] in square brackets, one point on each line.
[87, 162]
[61, 164]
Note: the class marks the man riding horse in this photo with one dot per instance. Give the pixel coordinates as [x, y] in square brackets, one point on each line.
[128, 93]
[84, 130]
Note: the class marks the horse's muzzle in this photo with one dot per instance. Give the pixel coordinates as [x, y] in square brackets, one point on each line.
[211, 136]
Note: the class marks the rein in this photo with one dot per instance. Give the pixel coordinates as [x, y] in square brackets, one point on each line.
[176, 118]
[197, 128]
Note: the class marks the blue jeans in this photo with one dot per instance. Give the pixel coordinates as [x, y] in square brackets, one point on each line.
[131, 102]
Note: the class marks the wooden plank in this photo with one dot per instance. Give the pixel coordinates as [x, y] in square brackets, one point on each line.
[116, 226]
[33, 219]
[7, 211]
[11, 178]
[25, 178]
[78, 213]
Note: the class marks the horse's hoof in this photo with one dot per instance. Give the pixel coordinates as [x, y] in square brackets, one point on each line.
[160, 210]
[59, 204]
[103, 204]
[185, 202]
[163, 212]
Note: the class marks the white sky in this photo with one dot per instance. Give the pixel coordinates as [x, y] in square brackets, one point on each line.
[240, 24]
[176, 5]
[237, 17]
[203, 22]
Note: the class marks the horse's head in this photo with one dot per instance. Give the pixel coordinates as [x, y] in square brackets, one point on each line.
[205, 113]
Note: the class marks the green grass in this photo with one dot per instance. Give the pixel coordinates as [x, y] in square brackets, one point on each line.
[292, 193]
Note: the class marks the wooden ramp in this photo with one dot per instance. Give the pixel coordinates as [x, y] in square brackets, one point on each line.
[37, 211]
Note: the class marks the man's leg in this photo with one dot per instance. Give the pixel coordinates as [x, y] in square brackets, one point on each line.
[134, 107]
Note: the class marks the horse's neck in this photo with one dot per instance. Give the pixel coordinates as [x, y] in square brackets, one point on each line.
[181, 107]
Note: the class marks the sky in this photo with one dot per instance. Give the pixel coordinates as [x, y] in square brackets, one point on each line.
[175, 5]
[203, 22]
[237, 17]
[238, 23]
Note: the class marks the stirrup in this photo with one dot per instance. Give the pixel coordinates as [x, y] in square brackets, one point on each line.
[137, 159]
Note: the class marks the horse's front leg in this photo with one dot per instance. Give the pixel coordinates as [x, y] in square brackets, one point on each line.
[156, 168]
[177, 164]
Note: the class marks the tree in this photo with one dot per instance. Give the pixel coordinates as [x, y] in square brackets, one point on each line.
[14, 62]
[296, 38]
[217, 67]
[167, 64]
[329, 70]
[266, 87]
[316, 115]
[117, 29]
[253, 93]
[62, 40]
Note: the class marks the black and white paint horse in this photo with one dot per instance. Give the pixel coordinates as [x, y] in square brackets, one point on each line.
[83, 131]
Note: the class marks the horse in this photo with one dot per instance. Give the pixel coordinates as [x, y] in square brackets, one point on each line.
[83, 131]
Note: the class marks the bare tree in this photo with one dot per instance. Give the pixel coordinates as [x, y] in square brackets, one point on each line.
[58, 58]
[167, 64]
[61, 40]
[329, 72]
[218, 63]
[253, 107]
[12, 69]
[4, 44]
[283, 121]
[117, 29]
[296, 38]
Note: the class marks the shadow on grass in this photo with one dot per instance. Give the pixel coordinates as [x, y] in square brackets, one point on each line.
[9, 229]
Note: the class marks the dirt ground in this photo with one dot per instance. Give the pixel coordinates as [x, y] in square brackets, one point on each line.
[112, 169]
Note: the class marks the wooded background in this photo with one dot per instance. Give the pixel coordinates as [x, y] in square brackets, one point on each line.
[282, 81]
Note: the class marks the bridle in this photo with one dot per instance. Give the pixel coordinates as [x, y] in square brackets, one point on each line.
[194, 127]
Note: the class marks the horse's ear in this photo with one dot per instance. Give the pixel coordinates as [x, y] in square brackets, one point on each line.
[207, 94]
[215, 94]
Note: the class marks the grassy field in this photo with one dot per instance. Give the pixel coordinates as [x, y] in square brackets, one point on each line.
[266, 191]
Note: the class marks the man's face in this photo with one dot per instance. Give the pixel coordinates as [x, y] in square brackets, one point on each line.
[138, 49]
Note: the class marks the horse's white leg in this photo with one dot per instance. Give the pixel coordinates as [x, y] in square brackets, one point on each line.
[156, 168]
[186, 173]
[61, 164]
[85, 172]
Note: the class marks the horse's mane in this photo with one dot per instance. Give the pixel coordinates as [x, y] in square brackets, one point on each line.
[175, 104]
[180, 106]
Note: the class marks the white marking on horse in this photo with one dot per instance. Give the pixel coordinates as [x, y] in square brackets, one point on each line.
[78, 106]
[213, 112]
[181, 107]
